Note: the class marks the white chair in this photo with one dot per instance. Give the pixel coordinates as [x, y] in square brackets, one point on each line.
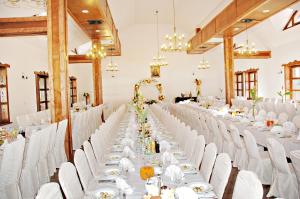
[94, 166]
[228, 146]
[295, 157]
[10, 170]
[258, 162]
[296, 121]
[59, 147]
[289, 127]
[208, 161]
[198, 151]
[282, 118]
[284, 183]
[51, 154]
[221, 173]
[89, 183]
[97, 148]
[29, 180]
[43, 170]
[218, 140]
[241, 157]
[247, 186]
[69, 181]
[49, 191]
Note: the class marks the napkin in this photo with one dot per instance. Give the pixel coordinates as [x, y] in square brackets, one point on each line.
[185, 193]
[289, 127]
[168, 158]
[174, 173]
[126, 165]
[128, 153]
[277, 129]
[123, 186]
[164, 146]
[127, 142]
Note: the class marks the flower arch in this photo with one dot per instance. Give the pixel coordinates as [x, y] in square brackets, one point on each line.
[137, 86]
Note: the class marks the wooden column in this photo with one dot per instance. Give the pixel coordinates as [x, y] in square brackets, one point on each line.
[97, 76]
[229, 68]
[58, 66]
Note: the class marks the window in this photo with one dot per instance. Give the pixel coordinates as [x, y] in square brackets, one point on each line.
[292, 79]
[239, 84]
[250, 81]
[4, 103]
[73, 90]
[42, 90]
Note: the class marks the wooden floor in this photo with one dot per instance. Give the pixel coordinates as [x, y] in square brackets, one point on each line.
[228, 190]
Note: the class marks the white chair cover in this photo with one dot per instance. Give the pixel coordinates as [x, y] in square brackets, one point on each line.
[88, 150]
[282, 118]
[247, 186]
[59, 147]
[85, 175]
[69, 181]
[228, 146]
[51, 154]
[284, 183]
[29, 181]
[295, 156]
[10, 170]
[208, 161]
[258, 162]
[49, 191]
[198, 151]
[296, 121]
[218, 140]
[221, 173]
[241, 157]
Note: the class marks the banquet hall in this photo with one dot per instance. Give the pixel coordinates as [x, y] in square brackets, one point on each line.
[137, 99]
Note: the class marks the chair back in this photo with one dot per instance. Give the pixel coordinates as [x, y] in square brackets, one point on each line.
[208, 161]
[88, 150]
[49, 191]
[83, 168]
[278, 156]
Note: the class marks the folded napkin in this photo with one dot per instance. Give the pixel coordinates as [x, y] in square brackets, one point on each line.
[174, 173]
[289, 127]
[123, 186]
[168, 158]
[277, 129]
[185, 193]
[126, 165]
[164, 146]
[128, 153]
[127, 142]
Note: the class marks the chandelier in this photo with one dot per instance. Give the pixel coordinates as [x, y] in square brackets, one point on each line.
[174, 42]
[112, 67]
[40, 4]
[203, 64]
[247, 48]
[97, 51]
[158, 60]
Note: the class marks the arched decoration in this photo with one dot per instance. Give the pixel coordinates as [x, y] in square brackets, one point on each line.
[137, 93]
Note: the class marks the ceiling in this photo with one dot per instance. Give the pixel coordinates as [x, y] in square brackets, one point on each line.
[189, 13]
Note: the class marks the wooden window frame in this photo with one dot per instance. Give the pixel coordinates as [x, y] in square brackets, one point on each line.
[288, 77]
[38, 76]
[73, 90]
[237, 82]
[248, 81]
[7, 121]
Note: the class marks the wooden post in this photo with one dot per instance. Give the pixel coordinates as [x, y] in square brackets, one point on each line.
[58, 66]
[97, 76]
[229, 68]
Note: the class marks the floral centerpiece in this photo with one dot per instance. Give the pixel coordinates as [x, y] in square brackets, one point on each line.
[255, 100]
[198, 87]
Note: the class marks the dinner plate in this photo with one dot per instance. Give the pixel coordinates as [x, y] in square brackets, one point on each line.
[187, 168]
[200, 187]
[115, 157]
[105, 192]
[117, 148]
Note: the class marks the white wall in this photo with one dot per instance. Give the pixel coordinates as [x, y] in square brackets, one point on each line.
[138, 48]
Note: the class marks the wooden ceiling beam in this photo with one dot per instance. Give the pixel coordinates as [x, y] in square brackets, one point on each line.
[23, 26]
[258, 55]
[228, 22]
[80, 59]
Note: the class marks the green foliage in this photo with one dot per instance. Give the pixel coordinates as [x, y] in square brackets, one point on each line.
[254, 96]
[282, 94]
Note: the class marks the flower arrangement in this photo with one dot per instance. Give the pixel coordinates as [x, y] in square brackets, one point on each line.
[283, 94]
[255, 100]
[198, 83]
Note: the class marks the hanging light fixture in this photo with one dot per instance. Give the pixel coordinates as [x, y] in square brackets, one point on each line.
[247, 48]
[112, 67]
[174, 42]
[203, 64]
[40, 4]
[158, 60]
[97, 51]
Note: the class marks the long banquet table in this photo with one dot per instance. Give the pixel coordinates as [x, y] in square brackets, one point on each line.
[133, 178]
